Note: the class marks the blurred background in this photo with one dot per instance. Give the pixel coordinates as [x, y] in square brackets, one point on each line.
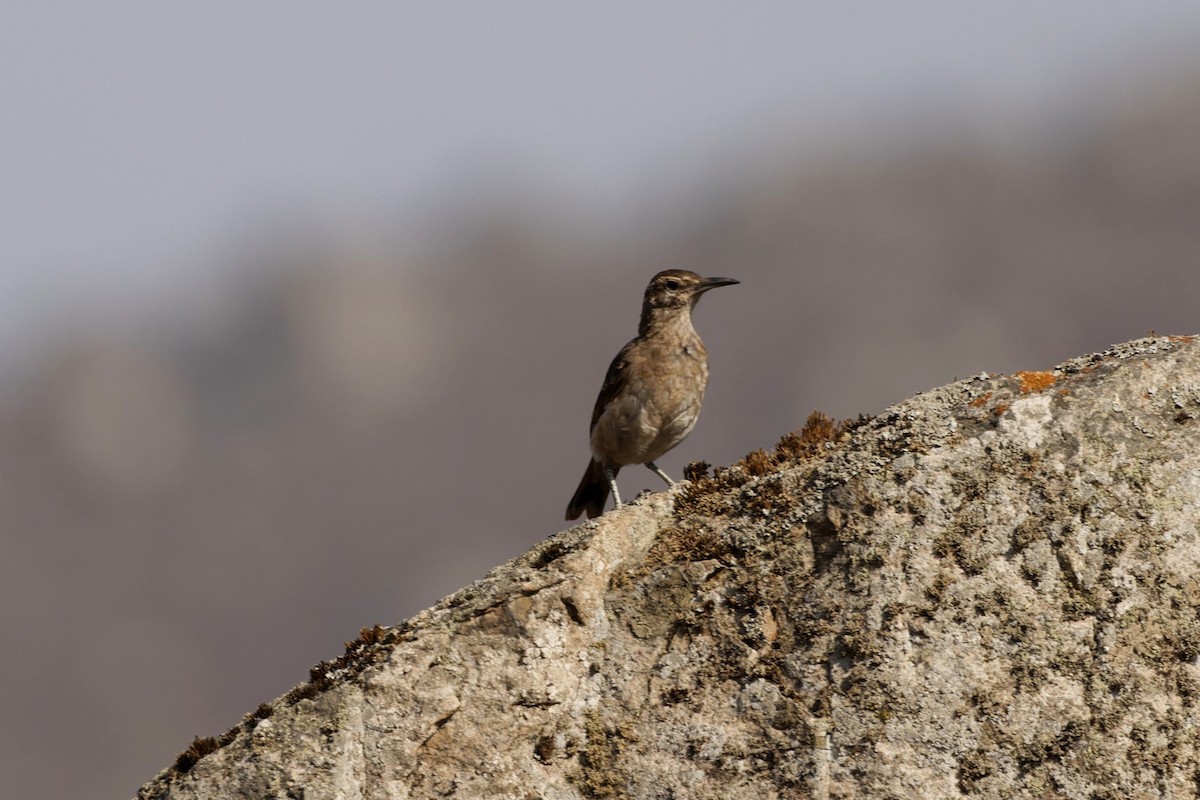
[303, 311]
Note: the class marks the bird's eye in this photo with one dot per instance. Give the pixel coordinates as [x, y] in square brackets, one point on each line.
[672, 284]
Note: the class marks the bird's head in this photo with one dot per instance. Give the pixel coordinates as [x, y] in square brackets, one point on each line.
[679, 288]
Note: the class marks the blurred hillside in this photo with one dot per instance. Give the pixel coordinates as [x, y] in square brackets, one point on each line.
[195, 511]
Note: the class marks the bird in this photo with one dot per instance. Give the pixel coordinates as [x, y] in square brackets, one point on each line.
[653, 390]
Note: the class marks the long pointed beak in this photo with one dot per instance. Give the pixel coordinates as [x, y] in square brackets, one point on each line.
[712, 283]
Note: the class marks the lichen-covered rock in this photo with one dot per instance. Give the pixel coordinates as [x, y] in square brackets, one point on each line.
[989, 591]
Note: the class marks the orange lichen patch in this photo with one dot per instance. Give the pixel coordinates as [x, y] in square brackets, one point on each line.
[1000, 409]
[981, 401]
[1063, 393]
[1035, 381]
[1181, 339]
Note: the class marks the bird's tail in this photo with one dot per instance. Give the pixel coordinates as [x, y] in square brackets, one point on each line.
[592, 493]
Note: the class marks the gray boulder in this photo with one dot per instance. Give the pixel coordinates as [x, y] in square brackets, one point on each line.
[989, 590]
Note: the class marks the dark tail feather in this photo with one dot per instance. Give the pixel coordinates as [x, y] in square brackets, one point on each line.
[592, 493]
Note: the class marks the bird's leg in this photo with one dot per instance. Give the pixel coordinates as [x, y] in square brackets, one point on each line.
[612, 482]
[660, 473]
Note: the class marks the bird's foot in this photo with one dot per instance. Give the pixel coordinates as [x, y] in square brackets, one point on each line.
[612, 484]
[660, 473]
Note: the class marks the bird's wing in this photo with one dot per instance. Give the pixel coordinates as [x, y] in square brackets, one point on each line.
[614, 382]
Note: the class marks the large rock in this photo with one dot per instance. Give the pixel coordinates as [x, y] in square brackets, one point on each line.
[989, 590]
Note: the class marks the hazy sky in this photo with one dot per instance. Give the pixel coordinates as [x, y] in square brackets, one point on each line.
[140, 137]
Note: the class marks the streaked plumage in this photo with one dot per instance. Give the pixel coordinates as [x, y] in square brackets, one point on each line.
[653, 390]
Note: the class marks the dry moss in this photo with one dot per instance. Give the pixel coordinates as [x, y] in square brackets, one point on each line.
[200, 747]
[369, 648]
[819, 436]
[686, 544]
[599, 776]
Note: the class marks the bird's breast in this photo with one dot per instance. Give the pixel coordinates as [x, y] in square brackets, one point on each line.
[659, 405]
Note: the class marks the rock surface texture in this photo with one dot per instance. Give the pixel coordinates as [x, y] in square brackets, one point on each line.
[990, 590]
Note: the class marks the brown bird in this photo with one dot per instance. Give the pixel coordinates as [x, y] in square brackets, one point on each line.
[651, 396]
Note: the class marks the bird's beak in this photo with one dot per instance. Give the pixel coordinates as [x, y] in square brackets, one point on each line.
[712, 283]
